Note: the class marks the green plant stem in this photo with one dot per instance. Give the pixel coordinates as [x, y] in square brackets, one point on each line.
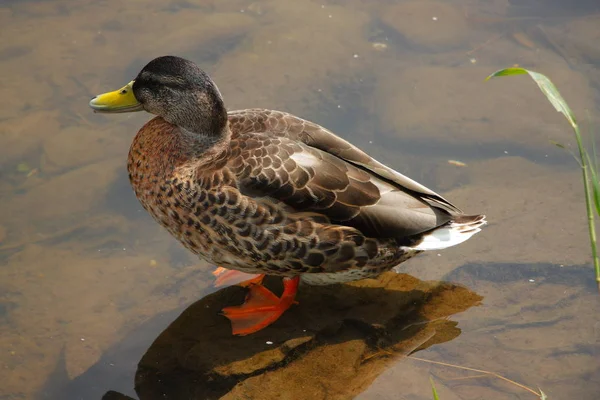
[588, 167]
[588, 204]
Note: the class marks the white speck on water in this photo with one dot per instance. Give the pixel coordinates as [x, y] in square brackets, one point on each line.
[330, 16]
[111, 364]
[339, 106]
[83, 339]
[434, 18]
[124, 249]
[355, 56]
[370, 142]
[268, 342]
[473, 60]
[439, 255]
[505, 152]
[532, 280]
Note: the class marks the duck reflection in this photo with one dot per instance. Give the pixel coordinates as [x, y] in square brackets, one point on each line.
[334, 344]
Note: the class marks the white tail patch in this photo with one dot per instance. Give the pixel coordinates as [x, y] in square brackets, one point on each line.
[450, 234]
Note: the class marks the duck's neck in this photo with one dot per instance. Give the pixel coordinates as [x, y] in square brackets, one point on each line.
[203, 131]
[202, 149]
[193, 137]
[203, 114]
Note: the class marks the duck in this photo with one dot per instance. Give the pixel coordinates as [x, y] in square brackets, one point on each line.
[263, 192]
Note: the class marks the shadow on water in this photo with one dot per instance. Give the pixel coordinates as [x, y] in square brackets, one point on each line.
[339, 339]
[508, 273]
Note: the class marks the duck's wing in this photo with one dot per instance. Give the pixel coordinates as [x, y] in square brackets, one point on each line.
[294, 161]
[279, 123]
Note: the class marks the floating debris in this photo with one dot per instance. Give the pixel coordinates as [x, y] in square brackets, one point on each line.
[32, 172]
[379, 46]
[457, 163]
[523, 40]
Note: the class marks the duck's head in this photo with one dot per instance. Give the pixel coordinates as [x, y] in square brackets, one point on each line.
[174, 89]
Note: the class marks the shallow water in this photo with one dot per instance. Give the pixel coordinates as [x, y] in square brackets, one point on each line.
[96, 299]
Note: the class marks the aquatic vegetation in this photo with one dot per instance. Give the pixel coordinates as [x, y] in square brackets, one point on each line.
[589, 164]
[481, 373]
[435, 395]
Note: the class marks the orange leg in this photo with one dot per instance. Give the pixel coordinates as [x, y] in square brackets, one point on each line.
[228, 277]
[261, 307]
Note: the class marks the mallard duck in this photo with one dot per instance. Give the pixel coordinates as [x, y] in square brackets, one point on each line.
[265, 192]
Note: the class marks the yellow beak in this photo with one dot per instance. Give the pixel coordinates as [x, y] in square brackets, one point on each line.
[119, 101]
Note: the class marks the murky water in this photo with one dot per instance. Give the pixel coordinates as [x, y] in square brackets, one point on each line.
[96, 299]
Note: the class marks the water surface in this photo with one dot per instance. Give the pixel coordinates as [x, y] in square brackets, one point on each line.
[96, 299]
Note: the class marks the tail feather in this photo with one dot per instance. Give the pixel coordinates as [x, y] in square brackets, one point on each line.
[451, 233]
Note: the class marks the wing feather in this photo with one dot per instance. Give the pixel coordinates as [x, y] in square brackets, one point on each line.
[310, 169]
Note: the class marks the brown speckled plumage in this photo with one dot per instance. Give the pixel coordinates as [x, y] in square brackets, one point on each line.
[263, 191]
[210, 209]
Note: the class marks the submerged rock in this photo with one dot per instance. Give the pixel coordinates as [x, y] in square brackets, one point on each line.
[76, 146]
[20, 136]
[60, 202]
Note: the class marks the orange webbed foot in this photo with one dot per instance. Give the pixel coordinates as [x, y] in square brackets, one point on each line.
[261, 307]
